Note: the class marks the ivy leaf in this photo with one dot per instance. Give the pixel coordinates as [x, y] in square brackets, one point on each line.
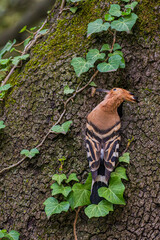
[57, 189]
[80, 65]
[23, 29]
[4, 61]
[59, 178]
[116, 46]
[72, 177]
[88, 182]
[81, 195]
[7, 47]
[108, 17]
[125, 158]
[93, 55]
[92, 84]
[114, 193]
[124, 23]
[13, 235]
[2, 125]
[73, 9]
[97, 26]
[16, 59]
[43, 31]
[30, 154]
[127, 12]
[63, 128]
[132, 5]
[52, 206]
[105, 47]
[99, 210]
[5, 87]
[27, 41]
[115, 10]
[112, 64]
[68, 90]
[122, 63]
[120, 172]
[1, 234]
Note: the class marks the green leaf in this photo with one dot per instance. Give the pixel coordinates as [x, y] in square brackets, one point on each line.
[16, 59]
[120, 172]
[81, 195]
[27, 41]
[66, 126]
[43, 31]
[105, 47]
[108, 17]
[52, 206]
[72, 177]
[7, 47]
[97, 26]
[124, 23]
[57, 189]
[111, 66]
[2, 125]
[125, 0]
[59, 178]
[32, 28]
[132, 5]
[73, 9]
[1, 234]
[88, 182]
[68, 90]
[63, 128]
[127, 12]
[125, 158]
[99, 210]
[14, 235]
[115, 10]
[80, 65]
[30, 153]
[92, 84]
[93, 55]
[5, 87]
[4, 61]
[75, 1]
[23, 29]
[122, 63]
[116, 46]
[114, 193]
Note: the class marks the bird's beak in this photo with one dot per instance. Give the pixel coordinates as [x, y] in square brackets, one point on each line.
[130, 97]
[102, 90]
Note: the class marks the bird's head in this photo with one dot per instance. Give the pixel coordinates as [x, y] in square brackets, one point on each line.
[121, 95]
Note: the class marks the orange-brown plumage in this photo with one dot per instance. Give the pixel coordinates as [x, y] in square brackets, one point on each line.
[102, 138]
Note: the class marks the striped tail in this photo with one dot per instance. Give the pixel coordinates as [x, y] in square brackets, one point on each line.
[100, 181]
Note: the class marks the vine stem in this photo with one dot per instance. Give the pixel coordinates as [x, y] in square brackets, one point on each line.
[64, 110]
[75, 222]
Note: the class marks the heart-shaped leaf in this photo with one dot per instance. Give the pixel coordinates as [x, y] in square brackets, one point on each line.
[52, 206]
[111, 66]
[120, 172]
[93, 55]
[80, 65]
[97, 26]
[115, 10]
[108, 17]
[125, 158]
[127, 12]
[63, 128]
[114, 193]
[105, 47]
[68, 90]
[2, 125]
[59, 178]
[124, 23]
[57, 189]
[132, 5]
[72, 177]
[99, 210]
[5, 87]
[116, 46]
[30, 153]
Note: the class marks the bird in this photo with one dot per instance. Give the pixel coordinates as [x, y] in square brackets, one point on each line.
[103, 138]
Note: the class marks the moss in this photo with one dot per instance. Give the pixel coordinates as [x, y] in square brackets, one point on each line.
[147, 12]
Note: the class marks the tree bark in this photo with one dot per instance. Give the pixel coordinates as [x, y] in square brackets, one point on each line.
[35, 102]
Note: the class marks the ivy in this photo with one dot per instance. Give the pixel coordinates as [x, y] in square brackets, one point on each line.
[124, 23]
[111, 66]
[64, 128]
[68, 90]
[59, 178]
[125, 158]
[97, 26]
[132, 5]
[12, 235]
[2, 125]
[30, 154]
[99, 210]
[80, 65]
[115, 10]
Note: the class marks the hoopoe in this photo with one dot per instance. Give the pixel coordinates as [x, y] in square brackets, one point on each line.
[103, 138]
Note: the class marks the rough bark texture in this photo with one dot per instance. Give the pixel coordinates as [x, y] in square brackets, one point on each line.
[36, 101]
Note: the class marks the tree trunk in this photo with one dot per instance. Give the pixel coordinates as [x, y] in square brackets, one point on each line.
[35, 102]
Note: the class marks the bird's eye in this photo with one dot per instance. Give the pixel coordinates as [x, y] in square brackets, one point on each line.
[114, 89]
